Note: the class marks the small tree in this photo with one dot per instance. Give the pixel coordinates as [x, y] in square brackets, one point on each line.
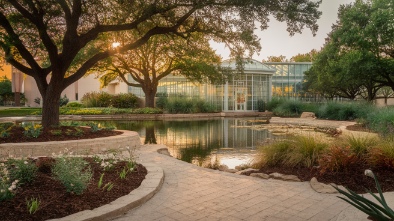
[161, 56]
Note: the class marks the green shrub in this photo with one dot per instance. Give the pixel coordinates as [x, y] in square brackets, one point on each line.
[22, 170]
[261, 105]
[183, 105]
[381, 120]
[147, 110]
[344, 111]
[63, 101]
[161, 100]
[73, 173]
[124, 101]
[96, 99]
[74, 104]
[274, 102]
[290, 108]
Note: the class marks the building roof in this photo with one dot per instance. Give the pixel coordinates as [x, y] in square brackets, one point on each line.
[250, 65]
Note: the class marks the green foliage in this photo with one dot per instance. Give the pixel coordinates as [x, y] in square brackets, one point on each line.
[74, 104]
[4, 129]
[22, 170]
[100, 182]
[33, 205]
[73, 173]
[377, 211]
[274, 102]
[261, 105]
[344, 111]
[296, 151]
[32, 130]
[183, 105]
[14, 112]
[124, 101]
[96, 99]
[147, 110]
[292, 108]
[63, 101]
[360, 145]
[56, 132]
[6, 125]
[123, 173]
[381, 120]
[162, 99]
[103, 99]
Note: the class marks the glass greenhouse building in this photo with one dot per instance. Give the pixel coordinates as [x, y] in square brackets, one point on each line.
[259, 81]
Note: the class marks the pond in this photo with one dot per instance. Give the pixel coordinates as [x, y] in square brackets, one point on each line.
[228, 141]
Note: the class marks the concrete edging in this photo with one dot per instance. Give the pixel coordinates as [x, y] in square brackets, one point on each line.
[148, 188]
[96, 145]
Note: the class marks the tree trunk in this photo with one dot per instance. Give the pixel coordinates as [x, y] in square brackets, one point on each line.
[17, 99]
[150, 137]
[50, 108]
[150, 94]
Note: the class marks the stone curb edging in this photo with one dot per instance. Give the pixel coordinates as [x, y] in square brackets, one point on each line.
[148, 188]
[81, 146]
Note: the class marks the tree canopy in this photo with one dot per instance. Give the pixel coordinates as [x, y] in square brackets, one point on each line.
[57, 41]
[357, 58]
[161, 56]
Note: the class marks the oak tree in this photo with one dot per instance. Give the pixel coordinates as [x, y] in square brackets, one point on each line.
[161, 56]
[59, 40]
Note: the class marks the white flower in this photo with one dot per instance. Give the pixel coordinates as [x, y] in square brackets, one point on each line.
[25, 162]
[369, 173]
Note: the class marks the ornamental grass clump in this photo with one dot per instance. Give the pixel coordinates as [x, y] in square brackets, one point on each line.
[73, 172]
[296, 151]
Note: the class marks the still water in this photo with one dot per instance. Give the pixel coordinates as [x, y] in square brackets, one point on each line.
[228, 141]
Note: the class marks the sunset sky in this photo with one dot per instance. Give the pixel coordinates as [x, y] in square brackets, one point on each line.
[276, 40]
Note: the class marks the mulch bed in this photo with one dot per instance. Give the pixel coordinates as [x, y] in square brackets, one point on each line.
[55, 202]
[54, 134]
[352, 178]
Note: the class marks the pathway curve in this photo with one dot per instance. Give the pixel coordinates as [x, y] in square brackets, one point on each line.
[190, 192]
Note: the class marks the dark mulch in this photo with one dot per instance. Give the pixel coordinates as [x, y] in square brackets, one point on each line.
[352, 178]
[55, 202]
[61, 133]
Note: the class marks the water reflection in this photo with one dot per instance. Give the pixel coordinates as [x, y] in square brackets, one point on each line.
[229, 141]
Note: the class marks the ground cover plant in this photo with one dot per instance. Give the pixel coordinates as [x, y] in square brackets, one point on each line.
[330, 162]
[184, 105]
[13, 112]
[33, 132]
[53, 187]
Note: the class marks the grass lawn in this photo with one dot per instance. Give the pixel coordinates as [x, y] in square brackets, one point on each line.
[15, 112]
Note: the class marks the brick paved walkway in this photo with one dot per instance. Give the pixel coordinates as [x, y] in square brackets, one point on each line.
[193, 193]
